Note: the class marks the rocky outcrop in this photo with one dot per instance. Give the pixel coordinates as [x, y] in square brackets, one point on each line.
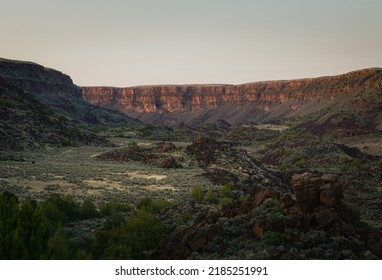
[314, 224]
[158, 156]
[57, 90]
[261, 100]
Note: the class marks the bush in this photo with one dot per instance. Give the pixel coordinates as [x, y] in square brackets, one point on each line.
[274, 239]
[244, 198]
[66, 205]
[352, 213]
[88, 210]
[65, 142]
[300, 164]
[211, 196]
[147, 204]
[113, 207]
[225, 201]
[133, 239]
[197, 194]
[226, 190]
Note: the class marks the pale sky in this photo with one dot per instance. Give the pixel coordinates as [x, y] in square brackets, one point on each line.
[142, 42]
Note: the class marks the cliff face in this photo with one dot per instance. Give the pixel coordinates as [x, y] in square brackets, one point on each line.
[56, 90]
[26, 123]
[235, 103]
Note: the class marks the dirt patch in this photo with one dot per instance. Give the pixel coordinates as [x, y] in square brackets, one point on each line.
[104, 184]
[38, 186]
[160, 188]
[146, 176]
[273, 127]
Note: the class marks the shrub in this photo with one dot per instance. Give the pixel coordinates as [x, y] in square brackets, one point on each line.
[211, 196]
[66, 205]
[197, 194]
[225, 201]
[244, 198]
[147, 204]
[300, 164]
[274, 239]
[88, 210]
[352, 213]
[344, 167]
[226, 190]
[65, 142]
[113, 207]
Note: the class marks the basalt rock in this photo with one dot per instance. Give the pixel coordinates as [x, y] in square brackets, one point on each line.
[57, 90]
[262, 101]
[310, 191]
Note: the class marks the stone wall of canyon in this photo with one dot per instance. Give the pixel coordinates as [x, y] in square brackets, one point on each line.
[171, 104]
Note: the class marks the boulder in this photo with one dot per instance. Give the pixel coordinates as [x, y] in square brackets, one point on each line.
[258, 229]
[329, 178]
[263, 195]
[198, 242]
[328, 196]
[324, 217]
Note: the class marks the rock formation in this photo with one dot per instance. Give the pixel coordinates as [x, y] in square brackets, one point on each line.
[57, 90]
[263, 101]
[314, 223]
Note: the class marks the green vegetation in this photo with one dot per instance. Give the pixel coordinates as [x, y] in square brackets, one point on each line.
[197, 194]
[11, 158]
[225, 201]
[352, 213]
[226, 190]
[244, 198]
[300, 163]
[211, 197]
[351, 163]
[26, 232]
[37, 231]
[274, 239]
[115, 207]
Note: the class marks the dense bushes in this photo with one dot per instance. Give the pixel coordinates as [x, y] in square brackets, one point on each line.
[134, 237]
[26, 232]
[37, 231]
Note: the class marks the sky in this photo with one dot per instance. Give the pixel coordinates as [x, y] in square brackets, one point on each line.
[146, 42]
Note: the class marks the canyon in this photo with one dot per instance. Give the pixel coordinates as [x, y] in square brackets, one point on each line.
[258, 101]
[264, 170]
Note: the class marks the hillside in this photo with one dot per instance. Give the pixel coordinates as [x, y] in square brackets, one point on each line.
[27, 123]
[57, 90]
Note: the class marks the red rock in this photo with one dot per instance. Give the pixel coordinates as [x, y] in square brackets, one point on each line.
[329, 178]
[198, 243]
[306, 190]
[287, 201]
[198, 99]
[328, 196]
[324, 217]
[258, 229]
[263, 195]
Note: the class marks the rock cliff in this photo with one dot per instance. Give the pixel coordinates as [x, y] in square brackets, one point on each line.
[261, 101]
[56, 90]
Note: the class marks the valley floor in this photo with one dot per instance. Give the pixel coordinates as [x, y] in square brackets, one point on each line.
[75, 171]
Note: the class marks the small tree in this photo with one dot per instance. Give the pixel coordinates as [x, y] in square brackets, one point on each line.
[211, 196]
[197, 194]
[225, 201]
[88, 210]
[226, 190]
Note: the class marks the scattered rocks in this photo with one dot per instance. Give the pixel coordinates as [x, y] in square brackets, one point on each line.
[314, 218]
